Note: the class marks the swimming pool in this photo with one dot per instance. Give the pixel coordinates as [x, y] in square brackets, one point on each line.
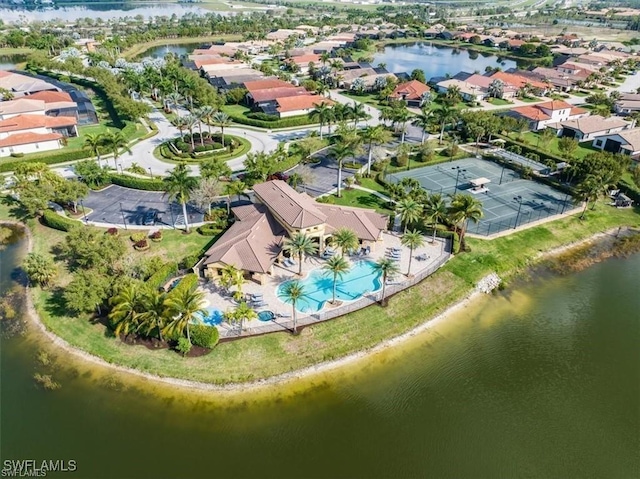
[318, 286]
[212, 318]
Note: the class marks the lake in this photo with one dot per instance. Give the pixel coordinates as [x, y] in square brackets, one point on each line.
[438, 61]
[179, 50]
[540, 381]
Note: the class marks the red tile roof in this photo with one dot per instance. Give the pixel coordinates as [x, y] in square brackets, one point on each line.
[531, 112]
[411, 90]
[305, 59]
[27, 122]
[27, 138]
[554, 105]
[51, 96]
[301, 102]
[270, 94]
[517, 80]
[255, 85]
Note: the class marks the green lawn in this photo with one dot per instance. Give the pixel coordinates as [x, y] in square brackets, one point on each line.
[530, 99]
[361, 199]
[367, 98]
[499, 101]
[372, 184]
[238, 110]
[533, 139]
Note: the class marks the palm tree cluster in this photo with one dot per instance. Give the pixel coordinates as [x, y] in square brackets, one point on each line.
[328, 115]
[149, 313]
[111, 142]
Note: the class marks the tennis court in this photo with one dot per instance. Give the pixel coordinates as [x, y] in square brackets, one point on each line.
[507, 199]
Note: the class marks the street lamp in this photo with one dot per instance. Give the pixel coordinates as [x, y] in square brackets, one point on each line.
[564, 203]
[83, 211]
[124, 221]
[150, 173]
[121, 169]
[519, 200]
[458, 171]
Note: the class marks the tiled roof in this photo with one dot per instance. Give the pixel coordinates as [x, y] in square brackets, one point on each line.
[252, 86]
[595, 123]
[411, 90]
[27, 138]
[296, 210]
[632, 137]
[27, 122]
[305, 59]
[554, 105]
[518, 81]
[21, 105]
[270, 94]
[301, 102]
[366, 224]
[576, 110]
[51, 96]
[531, 112]
[252, 243]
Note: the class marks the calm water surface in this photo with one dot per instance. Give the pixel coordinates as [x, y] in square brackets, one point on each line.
[437, 61]
[540, 382]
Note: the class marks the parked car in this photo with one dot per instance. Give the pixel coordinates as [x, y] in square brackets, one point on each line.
[279, 175]
[150, 218]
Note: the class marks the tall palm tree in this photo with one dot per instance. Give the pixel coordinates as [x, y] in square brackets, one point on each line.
[93, 143]
[412, 240]
[424, 121]
[464, 208]
[323, 114]
[409, 210]
[300, 245]
[292, 292]
[357, 112]
[116, 141]
[341, 151]
[185, 306]
[155, 312]
[173, 99]
[221, 120]
[190, 122]
[586, 191]
[388, 268]
[445, 115]
[345, 239]
[179, 186]
[375, 135]
[400, 118]
[126, 308]
[207, 113]
[180, 122]
[436, 211]
[242, 312]
[338, 267]
[199, 118]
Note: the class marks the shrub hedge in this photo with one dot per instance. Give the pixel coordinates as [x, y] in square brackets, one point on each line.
[147, 184]
[189, 261]
[204, 336]
[187, 283]
[53, 220]
[160, 277]
[209, 229]
[301, 120]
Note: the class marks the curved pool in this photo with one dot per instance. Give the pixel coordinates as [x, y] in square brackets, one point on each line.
[212, 318]
[318, 286]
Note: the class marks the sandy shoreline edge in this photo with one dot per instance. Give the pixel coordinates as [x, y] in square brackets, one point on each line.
[304, 373]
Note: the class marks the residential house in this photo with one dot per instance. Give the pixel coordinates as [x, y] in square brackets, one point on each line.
[259, 98]
[545, 114]
[56, 103]
[21, 85]
[484, 82]
[299, 105]
[21, 106]
[589, 127]
[412, 92]
[34, 133]
[627, 103]
[302, 62]
[626, 142]
[254, 243]
[468, 91]
[520, 82]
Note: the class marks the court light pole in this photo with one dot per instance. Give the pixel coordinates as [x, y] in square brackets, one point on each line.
[458, 171]
[504, 165]
[519, 200]
[124, 221]
[564, 203]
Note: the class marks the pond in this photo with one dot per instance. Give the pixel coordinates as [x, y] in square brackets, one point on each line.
[179, 50]
[438, 61]
[541, 381]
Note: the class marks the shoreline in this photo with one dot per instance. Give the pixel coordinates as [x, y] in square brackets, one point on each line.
[288, 377]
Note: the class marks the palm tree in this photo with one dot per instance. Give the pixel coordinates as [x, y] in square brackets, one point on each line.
[375, 135]
[126, 310]
[340, 152]
[357, 112]
[179, 186]
[496, 88]
[185, 306]
[323, 114]
[116, 141]
[243, 311]
[409, 210]
[400, 118]
[424, 121]
[155, 311]
[412, 240]
[199, 118]
[464, 208]
[445, 115]
[345, 239]
[180, 122]
[173, 99]
[436, 211]
[207, 112]
[221, 120]
[190, 123]
[300, 245]
[587, 191]
[336, 266]
[292, 292]
[388, 268]
[93, 143]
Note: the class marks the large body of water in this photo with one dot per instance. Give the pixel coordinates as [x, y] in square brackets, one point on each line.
[438, 61]
[542, 381]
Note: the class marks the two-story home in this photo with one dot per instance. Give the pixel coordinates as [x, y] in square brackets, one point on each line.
[545, 114]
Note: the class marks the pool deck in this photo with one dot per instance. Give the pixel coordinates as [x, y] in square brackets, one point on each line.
[218, 297]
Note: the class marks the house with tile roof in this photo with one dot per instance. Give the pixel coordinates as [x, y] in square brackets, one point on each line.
[626, 142]
[255, 241]
[56, 103]
[519, 81]
[545, 114]
[412, 92]
[589, 127]
[299, 104]
[34, 133]
[21, 106]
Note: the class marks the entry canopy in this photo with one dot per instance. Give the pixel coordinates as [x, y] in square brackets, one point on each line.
[480, 182]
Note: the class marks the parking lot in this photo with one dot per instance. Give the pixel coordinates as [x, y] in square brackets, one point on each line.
[119, 206]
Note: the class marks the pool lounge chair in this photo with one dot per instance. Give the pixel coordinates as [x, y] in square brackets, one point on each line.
[259, 304]
[283, 315]
[422, 257]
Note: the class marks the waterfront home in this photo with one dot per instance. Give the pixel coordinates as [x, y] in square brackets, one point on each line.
[468, 91]
[589, 127]
[411, 92]
[626, 142]
[483, 82]
[544, 114]
[521, 82]
[254, 242]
